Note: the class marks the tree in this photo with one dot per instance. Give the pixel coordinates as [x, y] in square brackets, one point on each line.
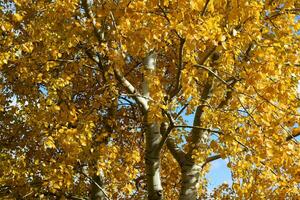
[95, 96]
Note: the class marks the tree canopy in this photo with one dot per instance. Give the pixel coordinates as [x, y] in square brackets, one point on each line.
[95, 95]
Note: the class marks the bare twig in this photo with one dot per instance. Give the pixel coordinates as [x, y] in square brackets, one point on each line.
[205, 7]
[249, 114]
[28, 194]
[181, 110]
[92, 180]
[292, 136]
[277, 107]
[167, 131]
[200, 128]
[213, 73]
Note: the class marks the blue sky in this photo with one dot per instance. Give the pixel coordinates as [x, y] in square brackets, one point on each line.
[219, 172]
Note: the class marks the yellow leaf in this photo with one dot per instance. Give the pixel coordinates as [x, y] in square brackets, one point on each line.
[166, 3]
[17, 17]
[270, 152]
[56, 186]
[49, 143]
[196, 5]
[214, 145]
[56, 108]
[128, 188]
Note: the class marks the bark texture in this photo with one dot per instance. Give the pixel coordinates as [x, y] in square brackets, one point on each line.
[153, 139]
[189, 181]
[152, 161]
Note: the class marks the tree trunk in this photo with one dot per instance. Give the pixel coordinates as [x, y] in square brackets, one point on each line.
[153, 136]
[189, 181]
[152, 161]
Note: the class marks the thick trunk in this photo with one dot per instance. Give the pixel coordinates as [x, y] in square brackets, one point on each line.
[152, 161]
[189, 181]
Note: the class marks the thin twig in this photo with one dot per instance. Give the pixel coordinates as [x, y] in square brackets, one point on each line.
[205, 7]
[181, 110]
[213, 73]
[200, 128]
[269, 102]
[288, 138]
[105, 194]
[167, 132]
[26, 195]
[290, 135]
[168, 20]
[250, 115]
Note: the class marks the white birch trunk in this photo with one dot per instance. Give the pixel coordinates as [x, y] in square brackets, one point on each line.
[152, 161]
[189, 182]
[153, 138]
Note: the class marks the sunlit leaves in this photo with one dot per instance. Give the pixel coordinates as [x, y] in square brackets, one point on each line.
[17, 17]
[63, 112]
[49, 143]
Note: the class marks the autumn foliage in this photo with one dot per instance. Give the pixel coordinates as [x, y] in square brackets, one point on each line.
[94, 97]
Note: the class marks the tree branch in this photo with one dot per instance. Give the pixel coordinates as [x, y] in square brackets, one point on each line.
[180, 66]
[92, 180]
[292, 136]
[164, 130]
[196, 133]
[177, 153]
[228, 96]
[138, 97]
[210, 159]
[249, 114]
[213, 73]
[181, 110]
[90, 15]
[275, 14]
[275, 106]
[198, 127]
[205, 7]
[165, 135]
[168, 20]
[208, 52]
